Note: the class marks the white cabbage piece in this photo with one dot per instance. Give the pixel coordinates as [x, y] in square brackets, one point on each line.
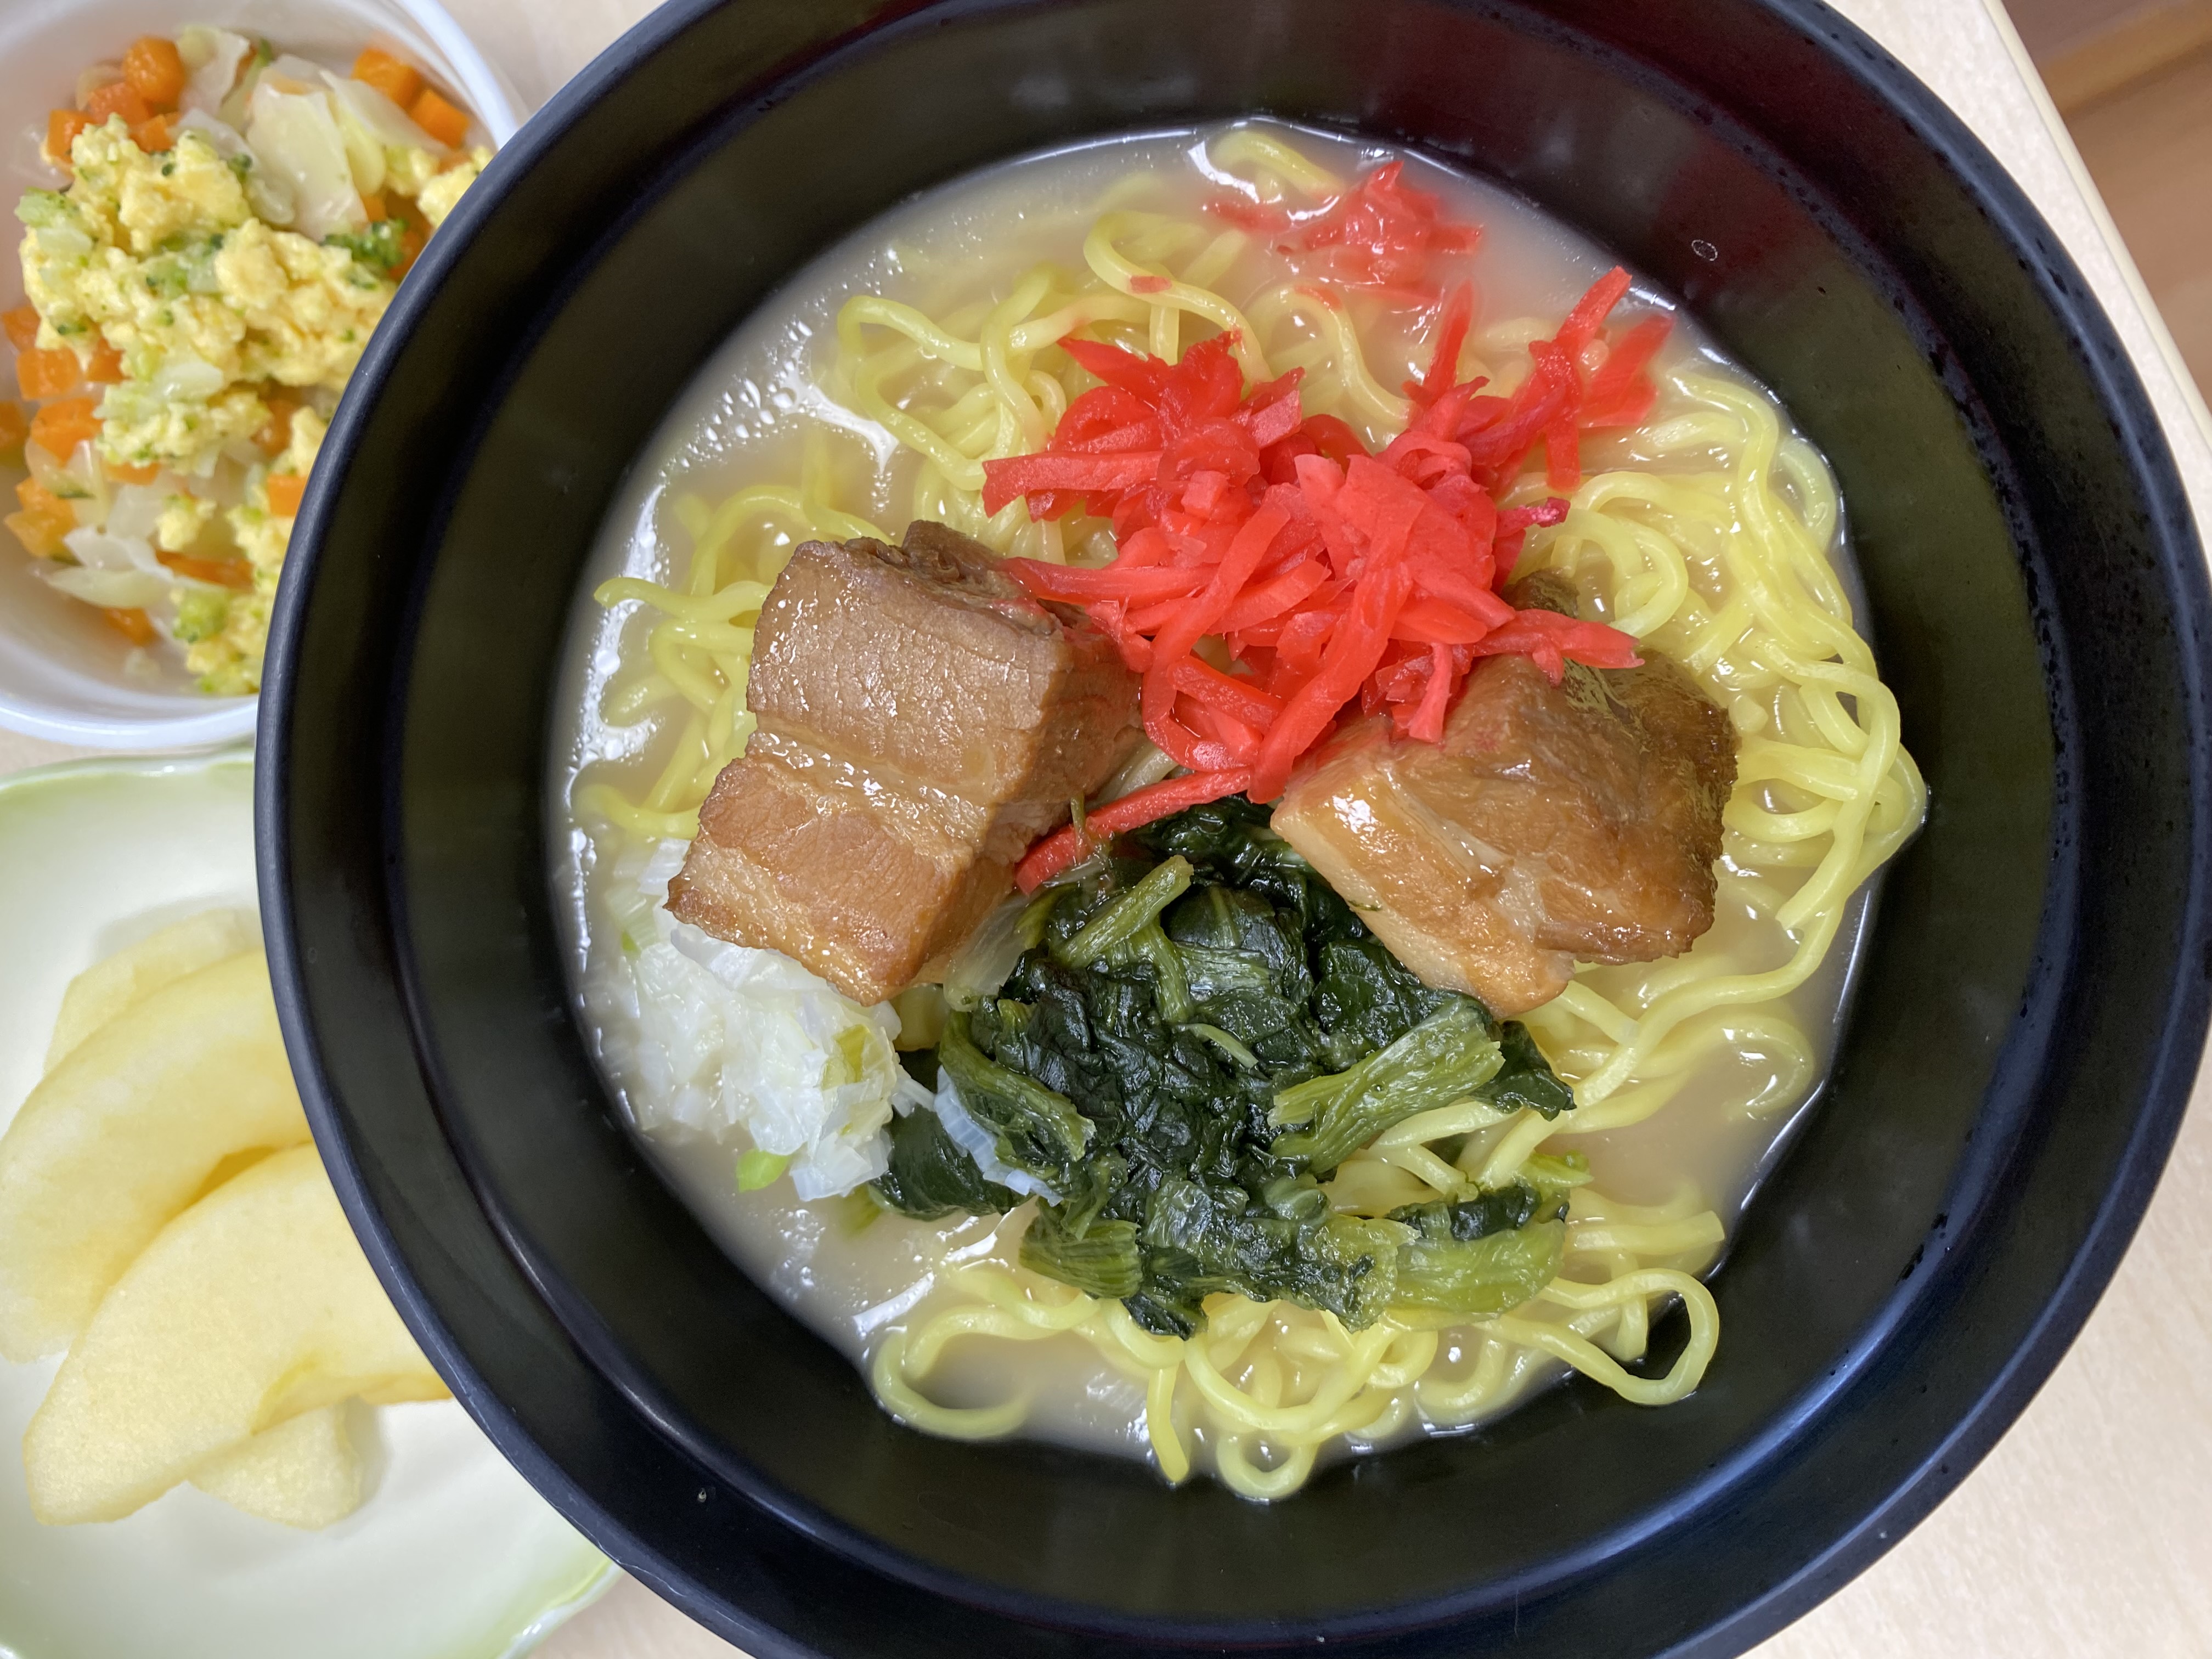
[111, 590]
[293, 73]
[78, 478]
[267, 193]
[294, 137]
[138, 512]
[212, 55]
[973, 1139]
[224, 138]
[731, 1039]
[187, 379]
[106, 549]
[390, 124]
[363, 153]
[979, 967]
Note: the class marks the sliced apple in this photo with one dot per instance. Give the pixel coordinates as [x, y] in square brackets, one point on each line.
[254, 1305]
[305, 1472]
[104, 990]
[186, 1082]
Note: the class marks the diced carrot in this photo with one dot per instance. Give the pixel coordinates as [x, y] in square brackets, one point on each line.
[61, 426]
[130, 475]
[440, 119]
[45, 519]
[372, 203]
[412, 241]
[22, 325]
[34, 537]
[35, 497]
[105, 367]
[133, 625]
[14, 427]
[286, 490]
[275, 434]
[62, 129]
[401, 82]
[118, 98]
[155, 68]
[153, 134]
[223, 572]
[47, 374]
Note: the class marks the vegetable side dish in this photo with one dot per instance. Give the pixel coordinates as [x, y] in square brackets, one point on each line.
[1229, 845]
[233, 223]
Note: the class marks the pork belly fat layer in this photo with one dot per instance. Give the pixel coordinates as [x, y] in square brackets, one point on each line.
[921, 721]
[1554, 824]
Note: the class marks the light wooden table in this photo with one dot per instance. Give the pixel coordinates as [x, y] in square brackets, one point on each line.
[2087, 1532]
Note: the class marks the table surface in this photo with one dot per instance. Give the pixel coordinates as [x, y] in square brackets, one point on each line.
[2088, 1532]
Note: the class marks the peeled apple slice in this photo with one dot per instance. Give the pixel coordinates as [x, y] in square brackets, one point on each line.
[125, 1132]
[304, 1473]
[108, 988]
[252, 1307]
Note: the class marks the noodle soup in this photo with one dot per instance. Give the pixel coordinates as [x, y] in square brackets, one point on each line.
[879, 387]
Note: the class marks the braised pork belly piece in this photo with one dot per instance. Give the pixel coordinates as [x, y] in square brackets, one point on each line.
[921, 720]
[1555, 824]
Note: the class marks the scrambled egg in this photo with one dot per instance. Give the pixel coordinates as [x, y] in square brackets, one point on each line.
[162, 257]
[224, 634]
[441, 195]
[212, 310]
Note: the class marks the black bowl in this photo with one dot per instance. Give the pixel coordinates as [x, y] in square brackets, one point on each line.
[2035, 997]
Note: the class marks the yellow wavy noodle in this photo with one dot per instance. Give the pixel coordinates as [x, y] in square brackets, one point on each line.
[1709, 537]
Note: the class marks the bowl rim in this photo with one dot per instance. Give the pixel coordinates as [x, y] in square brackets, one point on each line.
[193, 719]
[2171, 1072]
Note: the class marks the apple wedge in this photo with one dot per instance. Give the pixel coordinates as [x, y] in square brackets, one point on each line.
[304, 1472]
[184, 1083]
[104, 990]
[254, 1305]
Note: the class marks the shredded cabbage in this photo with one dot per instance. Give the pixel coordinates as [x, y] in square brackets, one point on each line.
[106, 549]
[973, 1139]
[213, 55]
[384, 120]
[294, 137]
[119, 590]
[979, 967]
[733, 1039]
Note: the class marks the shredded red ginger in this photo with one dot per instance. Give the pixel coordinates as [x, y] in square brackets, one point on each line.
[1342, 582]
[1381, 235]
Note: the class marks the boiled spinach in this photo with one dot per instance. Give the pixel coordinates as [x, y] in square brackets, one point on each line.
[1195, 1040]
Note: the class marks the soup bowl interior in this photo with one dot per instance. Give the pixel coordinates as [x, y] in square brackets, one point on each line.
[2010, 1077]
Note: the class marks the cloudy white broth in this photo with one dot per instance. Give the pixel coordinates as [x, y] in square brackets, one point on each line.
[897, 377]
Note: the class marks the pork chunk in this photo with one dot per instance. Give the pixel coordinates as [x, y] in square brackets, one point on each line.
[1552, 824]
[921, 720]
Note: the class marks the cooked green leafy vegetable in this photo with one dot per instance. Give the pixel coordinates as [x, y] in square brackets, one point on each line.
[1526, 1078]
[930, 1176]
[1447, 1057]
[1191, 1043]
